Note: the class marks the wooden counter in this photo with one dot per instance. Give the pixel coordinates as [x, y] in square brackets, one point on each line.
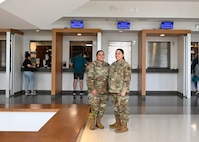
[65, 126]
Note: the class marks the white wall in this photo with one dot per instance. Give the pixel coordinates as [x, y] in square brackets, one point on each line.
[180, 64]
[195, 37]
[161, 82]
[17, 62]
[134, 9]
[42, 80]
[124, 36]
[3, 79]
[32, 35]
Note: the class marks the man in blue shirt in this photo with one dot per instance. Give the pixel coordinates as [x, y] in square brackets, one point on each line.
[78, 63]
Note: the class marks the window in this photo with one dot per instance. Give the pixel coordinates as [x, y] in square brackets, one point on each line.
[84, 47]
[41, 53]
[158, 55]
[2, 53]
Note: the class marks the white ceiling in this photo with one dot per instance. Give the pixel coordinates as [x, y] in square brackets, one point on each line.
[36, 14]
[39, 14]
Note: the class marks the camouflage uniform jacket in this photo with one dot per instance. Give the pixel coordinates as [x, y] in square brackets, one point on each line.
[97, 77]
[119, 77]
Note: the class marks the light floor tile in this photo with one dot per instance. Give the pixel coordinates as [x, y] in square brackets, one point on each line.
[148, 128]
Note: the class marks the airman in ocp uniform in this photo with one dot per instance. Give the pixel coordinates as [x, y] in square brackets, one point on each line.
[119, 82]
[97, 83]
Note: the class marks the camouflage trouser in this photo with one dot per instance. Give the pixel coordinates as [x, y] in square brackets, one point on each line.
[120, 106]
[98, 103]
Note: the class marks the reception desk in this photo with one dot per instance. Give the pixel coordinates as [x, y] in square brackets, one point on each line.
[43, 78]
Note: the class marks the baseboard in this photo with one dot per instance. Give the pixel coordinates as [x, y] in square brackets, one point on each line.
[132, 93]
[167, 93]
[2, 92]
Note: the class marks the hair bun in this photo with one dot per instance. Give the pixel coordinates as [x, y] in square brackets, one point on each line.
[27, 54]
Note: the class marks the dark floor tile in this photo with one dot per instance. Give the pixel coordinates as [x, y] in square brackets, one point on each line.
[162, 104]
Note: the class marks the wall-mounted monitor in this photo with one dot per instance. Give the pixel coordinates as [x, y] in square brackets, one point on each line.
[123, 25]
[79, 24]
[166, 25]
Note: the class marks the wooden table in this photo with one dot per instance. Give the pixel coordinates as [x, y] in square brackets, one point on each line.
[65, 126]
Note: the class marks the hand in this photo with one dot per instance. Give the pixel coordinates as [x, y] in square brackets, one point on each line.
[70, 65]
[123, 93]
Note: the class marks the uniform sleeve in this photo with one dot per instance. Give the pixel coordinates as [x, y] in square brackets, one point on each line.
[90, 76]
[127, 78]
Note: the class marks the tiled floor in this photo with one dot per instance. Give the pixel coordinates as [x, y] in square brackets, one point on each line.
[155, 118]
[148, 128]
[151, 104]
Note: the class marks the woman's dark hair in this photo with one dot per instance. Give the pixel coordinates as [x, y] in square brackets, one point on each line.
[99, 51]
[121, 51]
[27, 54]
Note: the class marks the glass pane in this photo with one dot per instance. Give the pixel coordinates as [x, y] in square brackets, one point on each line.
[158, 55]
[2, 53]
[84, 47]
[41, 52]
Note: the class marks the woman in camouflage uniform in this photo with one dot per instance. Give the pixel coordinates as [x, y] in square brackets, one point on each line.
[97, 83]
[119, 82]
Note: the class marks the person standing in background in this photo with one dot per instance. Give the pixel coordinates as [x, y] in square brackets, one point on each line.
[196, 73]
[119, 82]
[28, 74]
[97, 83]
[78, 63]
[194, 62]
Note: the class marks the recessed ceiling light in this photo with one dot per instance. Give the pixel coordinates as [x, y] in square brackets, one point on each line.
[79, 34]
[89, 44]
[162, 35]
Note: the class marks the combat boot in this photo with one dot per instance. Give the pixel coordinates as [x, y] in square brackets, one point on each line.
[98, 122]
[122, 128]
[92, 122]
[116, 124]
